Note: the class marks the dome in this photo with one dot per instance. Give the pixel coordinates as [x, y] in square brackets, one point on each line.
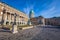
[31, 14]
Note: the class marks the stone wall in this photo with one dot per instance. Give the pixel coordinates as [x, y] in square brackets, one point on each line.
[8, 15]
[53, 21]
[38, 20]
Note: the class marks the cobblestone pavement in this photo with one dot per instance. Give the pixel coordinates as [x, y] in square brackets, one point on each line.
[36, 33]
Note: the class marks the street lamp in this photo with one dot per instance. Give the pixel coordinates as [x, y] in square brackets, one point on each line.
[15, 19]
[14, 26]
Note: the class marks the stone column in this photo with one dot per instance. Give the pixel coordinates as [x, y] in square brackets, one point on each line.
[19, 20]
[5, 18]
[2, 18]
[10, 19]
[43, 21]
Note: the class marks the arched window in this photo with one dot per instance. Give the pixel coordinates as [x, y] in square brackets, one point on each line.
[40, 22]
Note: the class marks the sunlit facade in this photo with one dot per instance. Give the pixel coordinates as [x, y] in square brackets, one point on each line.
[38, 20]
[8, 13]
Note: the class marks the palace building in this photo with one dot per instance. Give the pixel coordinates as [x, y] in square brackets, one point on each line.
[36, 20]
[55, 21]
[8, 15]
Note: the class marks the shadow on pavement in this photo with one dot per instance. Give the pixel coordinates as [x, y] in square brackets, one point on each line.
[4, 30]
[58, 27]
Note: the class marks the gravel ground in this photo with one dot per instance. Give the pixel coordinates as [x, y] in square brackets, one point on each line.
[36, 33]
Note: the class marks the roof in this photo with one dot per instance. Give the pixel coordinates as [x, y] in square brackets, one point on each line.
[41, 17]
[31, 12]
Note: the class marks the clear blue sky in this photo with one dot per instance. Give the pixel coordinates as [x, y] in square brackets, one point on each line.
[46, 8]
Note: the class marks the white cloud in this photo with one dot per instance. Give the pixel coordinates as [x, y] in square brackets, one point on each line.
[28, 8]
[50, 10]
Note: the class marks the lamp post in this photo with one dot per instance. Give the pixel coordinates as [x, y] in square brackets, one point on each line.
[14, 26]
[15, 19]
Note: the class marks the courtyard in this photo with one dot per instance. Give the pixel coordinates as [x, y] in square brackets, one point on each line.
[36, 33]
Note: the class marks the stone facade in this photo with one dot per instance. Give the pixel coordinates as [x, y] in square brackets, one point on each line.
[7, 15]
[53, 21]
[38, 20]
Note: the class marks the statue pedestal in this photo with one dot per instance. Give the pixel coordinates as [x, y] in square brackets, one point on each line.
[14, 29]
[30, 23]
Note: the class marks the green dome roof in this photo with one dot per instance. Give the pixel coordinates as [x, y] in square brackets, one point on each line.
[31, 12]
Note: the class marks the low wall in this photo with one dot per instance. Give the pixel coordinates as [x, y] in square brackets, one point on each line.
[23, 28]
